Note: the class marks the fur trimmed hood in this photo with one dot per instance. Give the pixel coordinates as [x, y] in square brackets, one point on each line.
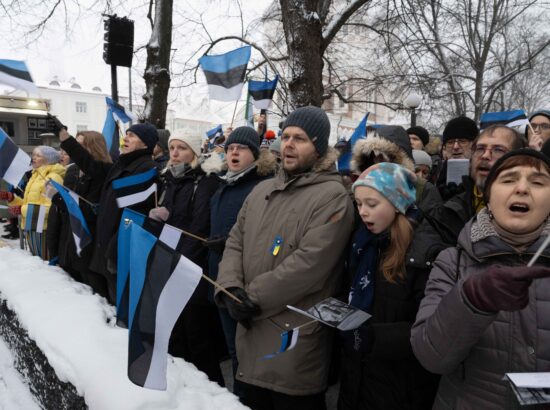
[327, 161]
[365, 150]
[266, 163]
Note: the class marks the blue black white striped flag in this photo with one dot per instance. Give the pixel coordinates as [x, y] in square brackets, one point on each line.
[81, 233]
[288, 341]
[262, 92]
[161, 283]
[225, 73]
[116, 123]
[16, 74]
[214, 134]
[135, 188]
[513, 118]
[14, 162]
[35, 217]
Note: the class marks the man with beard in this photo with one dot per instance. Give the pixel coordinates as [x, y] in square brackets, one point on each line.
[447, 220]
[286, 248]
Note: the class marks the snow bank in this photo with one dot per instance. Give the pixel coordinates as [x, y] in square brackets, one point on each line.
[76, 332]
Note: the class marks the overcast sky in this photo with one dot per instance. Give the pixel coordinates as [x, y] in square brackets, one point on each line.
[77, 52]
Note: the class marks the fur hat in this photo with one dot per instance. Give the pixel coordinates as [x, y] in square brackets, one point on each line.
[421, 133]
[314, 121]
[193, 140]
[50, 154]
[460, 127]
[395, 183]
[375, 145]
[245, 136]
[146, 133]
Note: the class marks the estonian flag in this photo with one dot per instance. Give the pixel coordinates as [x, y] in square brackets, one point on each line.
[116, 122]
[161, 283]
[214, 134]
[135, 188]
[225, 73]
[288, 341]
[14, 162]
[262, 92]
[81, 233]
[34, 220]
[513, 118]
[167, 234]
[16, 74]
[345, 157]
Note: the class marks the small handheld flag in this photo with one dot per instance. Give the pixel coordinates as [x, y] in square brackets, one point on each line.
[288, 341]
[214, 134]
[225, 73]
[513, 118]
[135, 188]
[35, 218]
[16, 74]
[115, 124]
[262, 92]
[81, 233]
[14, 162]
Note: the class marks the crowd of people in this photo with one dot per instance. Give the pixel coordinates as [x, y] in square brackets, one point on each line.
[440, 266]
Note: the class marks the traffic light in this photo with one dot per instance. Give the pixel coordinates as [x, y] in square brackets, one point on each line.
[118, 48]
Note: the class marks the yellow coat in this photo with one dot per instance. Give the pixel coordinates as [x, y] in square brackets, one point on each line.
[36, 187]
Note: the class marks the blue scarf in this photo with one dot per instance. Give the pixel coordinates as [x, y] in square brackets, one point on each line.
[364, 260]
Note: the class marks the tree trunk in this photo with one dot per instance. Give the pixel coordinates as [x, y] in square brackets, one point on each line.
[157, 70]
[304, 40]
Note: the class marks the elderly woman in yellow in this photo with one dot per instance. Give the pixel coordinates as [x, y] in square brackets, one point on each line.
[35, 205]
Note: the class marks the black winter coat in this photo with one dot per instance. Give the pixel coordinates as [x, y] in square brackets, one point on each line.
[226, 204]
[188, 199]
[389, 376]
[108, 216]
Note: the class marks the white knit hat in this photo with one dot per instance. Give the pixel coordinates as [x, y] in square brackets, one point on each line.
[193, 140]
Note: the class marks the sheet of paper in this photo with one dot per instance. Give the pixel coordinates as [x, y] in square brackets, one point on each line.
[456, 168]
[530, 380]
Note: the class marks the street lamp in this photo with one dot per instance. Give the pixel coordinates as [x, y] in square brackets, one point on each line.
[413, 101]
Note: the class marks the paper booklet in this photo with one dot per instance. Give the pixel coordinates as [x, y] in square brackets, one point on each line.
[335, 313]
[456, 168]
[530, 388]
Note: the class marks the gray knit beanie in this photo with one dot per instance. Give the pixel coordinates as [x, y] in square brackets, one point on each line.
[50, 154]
[245, 136]
[314, 122]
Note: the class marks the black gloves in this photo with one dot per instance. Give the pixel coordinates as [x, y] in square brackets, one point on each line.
[242, 311]
[54, 125]
[216, 243]
[502, 287]
[360, 340]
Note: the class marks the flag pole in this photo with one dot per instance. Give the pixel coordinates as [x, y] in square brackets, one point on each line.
[222, 289]
[539, 251]
[234, 112]
[306, 324]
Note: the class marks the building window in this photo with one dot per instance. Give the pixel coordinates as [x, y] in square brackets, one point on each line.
[81, 128]
[81, 107]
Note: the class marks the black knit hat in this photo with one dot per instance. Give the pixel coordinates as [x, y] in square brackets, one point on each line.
[460, 127]
[147, 133]
[421, 133]
[495, 168]
[314, 122]
[245, 136]
[163, 139]
[397, 135]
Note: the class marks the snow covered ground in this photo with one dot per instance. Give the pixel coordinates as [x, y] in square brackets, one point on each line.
[76, 331]
[14, 393]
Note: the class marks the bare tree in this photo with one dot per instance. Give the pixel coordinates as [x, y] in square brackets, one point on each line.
[460, 53]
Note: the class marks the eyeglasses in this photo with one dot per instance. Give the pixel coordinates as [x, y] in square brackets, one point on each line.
[460, 141]
[496, 152]
[543, 127]
[237, 147]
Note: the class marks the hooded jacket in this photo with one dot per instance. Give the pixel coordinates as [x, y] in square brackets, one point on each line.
[311, 216]
[471, 349]
[382, 149]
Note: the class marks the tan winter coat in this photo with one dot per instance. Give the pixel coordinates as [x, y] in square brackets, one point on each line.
[313, 215]
[471, 349]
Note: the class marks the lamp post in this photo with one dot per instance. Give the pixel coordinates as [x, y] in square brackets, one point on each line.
[412, 101]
